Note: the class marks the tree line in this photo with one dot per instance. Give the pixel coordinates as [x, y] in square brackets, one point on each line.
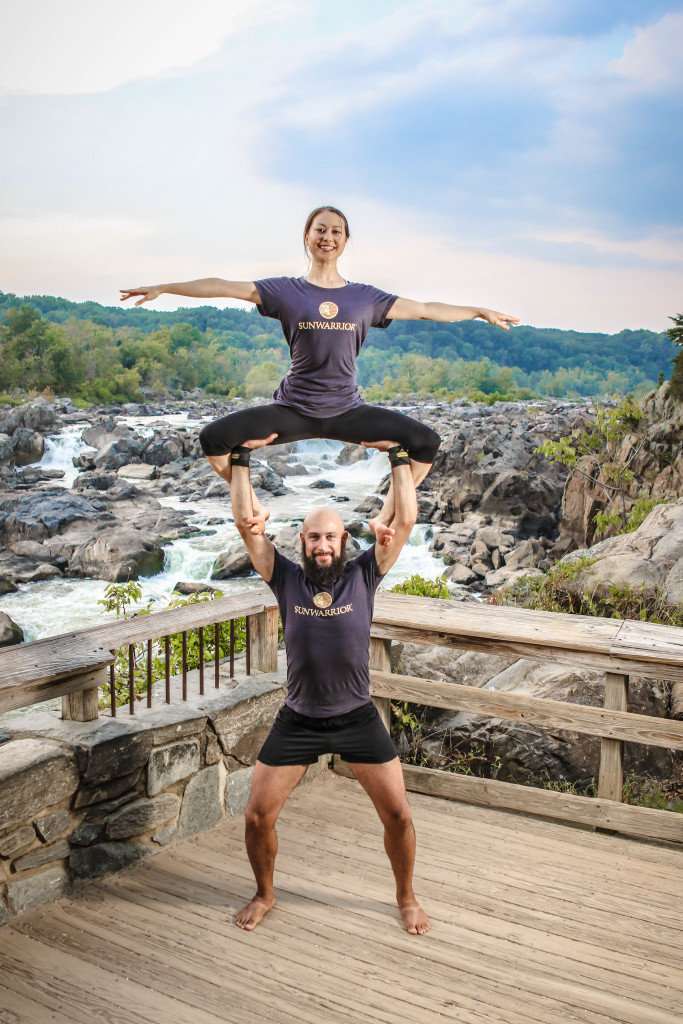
[107, 354]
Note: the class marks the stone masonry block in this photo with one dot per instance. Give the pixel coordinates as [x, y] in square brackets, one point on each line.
[43, 855]
[33, 775]
[111, 757]
[4, 912]
[142, 815]
[108, 791]
[237, 789]
[171, 763]
[201, 803]
[27, 893]
[15, 843]
[242, 729]
[102, 859]
[51, 825]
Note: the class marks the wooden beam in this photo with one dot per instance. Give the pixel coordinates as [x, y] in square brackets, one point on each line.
[604, 814]
[611, 779]
[549, 714]
[380, 659]
[25, 696]
[263, 638]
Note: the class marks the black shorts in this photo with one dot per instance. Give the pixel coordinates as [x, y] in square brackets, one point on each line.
[359, 736]
[362, 423]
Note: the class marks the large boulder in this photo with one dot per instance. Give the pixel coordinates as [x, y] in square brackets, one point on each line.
[118, 555]
[118, 453]
[38, 415]
[27, 445]
[10, 632]
[46, 513]
[161, 450]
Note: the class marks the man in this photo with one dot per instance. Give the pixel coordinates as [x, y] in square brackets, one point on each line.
[326, 609]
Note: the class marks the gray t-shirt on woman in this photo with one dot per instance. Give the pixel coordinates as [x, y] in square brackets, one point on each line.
[325, 329]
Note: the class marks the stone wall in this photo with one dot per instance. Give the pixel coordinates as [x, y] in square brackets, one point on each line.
[79, 800]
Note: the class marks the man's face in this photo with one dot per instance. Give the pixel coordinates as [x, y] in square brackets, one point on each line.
[323, 539]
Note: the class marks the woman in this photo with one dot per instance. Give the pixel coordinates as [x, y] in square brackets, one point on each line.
[325, 320]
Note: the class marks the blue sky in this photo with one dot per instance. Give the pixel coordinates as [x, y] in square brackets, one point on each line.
[520, 154]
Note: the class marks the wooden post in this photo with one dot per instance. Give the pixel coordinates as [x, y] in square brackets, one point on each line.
[380, 659]
[263, 640]
[611, 781]
[82, 706]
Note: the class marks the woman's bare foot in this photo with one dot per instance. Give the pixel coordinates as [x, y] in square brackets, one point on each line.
[414, 917]
[254, 912]
[257, 522]
[382, 532]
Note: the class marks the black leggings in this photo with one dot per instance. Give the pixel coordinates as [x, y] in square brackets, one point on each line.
[362, 423]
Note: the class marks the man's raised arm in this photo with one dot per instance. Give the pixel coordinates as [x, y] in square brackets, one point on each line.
[260, 549]
[405, 506]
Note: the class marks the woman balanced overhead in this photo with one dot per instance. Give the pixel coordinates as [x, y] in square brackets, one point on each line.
[325, 320]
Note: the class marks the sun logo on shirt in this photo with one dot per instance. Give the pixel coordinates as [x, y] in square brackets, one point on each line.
[328, 309]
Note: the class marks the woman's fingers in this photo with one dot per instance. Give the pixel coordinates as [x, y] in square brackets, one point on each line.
[148, 293]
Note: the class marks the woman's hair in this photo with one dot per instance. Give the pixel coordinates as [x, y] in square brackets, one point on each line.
[321, 209]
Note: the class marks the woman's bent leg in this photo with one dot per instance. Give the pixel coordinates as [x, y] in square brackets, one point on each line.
[220, 437]
[370, 423]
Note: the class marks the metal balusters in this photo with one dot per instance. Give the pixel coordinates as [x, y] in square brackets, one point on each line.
[217, 652]
[247, 631]
[201, 660]
[112, 688]
[167, 659]
[184, 665]
[149, 673]
[131, 678]
[232, 648]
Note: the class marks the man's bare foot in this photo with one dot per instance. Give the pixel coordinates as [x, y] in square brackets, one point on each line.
[416, 921]
[254, 912]
[382, 532]
[257, 522]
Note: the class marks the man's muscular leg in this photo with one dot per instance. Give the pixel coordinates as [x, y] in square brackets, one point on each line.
[384, 785]
[270, 788]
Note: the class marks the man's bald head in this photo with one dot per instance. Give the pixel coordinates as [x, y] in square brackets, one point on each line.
[321, 519]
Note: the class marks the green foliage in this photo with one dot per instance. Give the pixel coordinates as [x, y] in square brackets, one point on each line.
[642, 791]
[561, 785]
[87, 351]
[604, 453]
[561, 590]
[420, 587]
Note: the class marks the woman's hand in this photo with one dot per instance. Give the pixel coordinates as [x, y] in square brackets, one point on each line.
[497, 319]
[148, 292]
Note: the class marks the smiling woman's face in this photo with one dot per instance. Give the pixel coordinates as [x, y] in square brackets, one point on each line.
[326, 238]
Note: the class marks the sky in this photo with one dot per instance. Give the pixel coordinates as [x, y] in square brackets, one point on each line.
[523, 155]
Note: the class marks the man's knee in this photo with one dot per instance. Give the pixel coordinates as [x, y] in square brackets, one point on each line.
[398, 817]
[258, 818]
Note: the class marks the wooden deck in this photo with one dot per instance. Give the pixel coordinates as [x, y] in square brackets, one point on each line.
[532, 922]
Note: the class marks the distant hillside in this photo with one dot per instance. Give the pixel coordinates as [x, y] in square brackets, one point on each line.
[410, 355]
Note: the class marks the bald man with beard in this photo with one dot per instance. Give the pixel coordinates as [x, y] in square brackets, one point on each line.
[326, 606]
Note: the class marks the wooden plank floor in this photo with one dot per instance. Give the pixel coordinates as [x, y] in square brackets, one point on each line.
[532, 922]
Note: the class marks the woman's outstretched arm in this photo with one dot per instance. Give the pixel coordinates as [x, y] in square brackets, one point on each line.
[204, 288]
[407, 309]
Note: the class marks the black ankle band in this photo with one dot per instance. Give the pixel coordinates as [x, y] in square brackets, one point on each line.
[240, 456]
[398, 456]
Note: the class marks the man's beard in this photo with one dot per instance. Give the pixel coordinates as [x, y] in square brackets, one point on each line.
[323, 575]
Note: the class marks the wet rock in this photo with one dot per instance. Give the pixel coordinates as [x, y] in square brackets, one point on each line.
[350, 454]
[28, 446]
[120, 554]
[7, 586]
[233, 562]
[187, 587]
[46, 513]
[322, 485]
[10, 632]
[95, 480]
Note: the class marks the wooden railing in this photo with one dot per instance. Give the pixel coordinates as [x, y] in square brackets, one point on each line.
[618, 648]
[76, 666]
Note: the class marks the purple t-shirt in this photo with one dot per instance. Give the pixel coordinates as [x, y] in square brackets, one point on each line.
[325, 329]
[328, 643]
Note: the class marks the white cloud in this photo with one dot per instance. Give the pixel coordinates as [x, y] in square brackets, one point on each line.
[78, 46]
[652, 59]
